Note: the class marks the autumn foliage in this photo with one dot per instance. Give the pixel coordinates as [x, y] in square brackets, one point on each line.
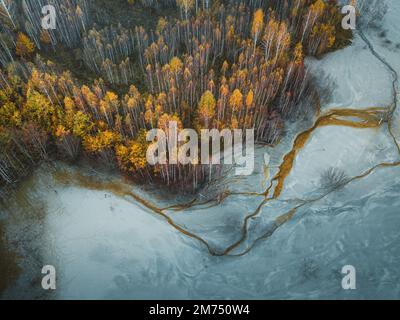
[233, 65]
[24, 46]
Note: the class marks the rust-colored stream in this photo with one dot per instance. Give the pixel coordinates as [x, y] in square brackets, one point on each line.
[373, 117]
[367, 118]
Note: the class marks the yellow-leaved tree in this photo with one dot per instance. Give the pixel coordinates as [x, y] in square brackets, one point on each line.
[258, 24]
[24, 47]
[206, 108]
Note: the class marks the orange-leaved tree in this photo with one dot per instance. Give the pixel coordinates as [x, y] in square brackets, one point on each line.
[24, 47]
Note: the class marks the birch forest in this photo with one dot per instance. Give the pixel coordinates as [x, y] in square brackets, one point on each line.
[111, 70]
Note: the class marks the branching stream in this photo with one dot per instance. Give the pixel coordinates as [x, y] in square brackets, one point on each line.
[372, 117]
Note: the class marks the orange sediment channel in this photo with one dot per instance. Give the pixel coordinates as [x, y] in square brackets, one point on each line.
[355, 118]
[367, 118]
[364, 118]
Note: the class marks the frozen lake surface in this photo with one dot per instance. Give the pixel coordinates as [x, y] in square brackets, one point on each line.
[105, 244]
